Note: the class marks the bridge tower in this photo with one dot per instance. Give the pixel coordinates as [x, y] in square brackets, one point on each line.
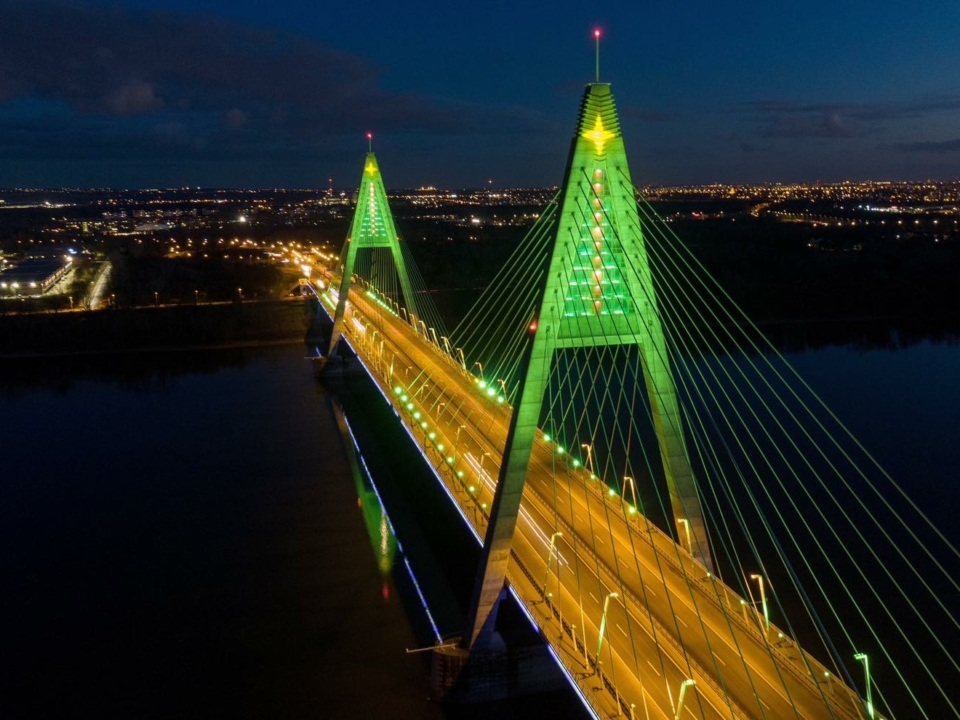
[597, 291]
[372, 227]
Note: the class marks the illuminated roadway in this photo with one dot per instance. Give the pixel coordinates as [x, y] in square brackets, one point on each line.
[670, 621]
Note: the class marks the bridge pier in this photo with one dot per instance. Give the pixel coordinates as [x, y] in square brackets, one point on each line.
[341, 361]
[464, 676]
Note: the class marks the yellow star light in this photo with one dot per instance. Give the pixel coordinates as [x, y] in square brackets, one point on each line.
[371, 168]
[598, 135]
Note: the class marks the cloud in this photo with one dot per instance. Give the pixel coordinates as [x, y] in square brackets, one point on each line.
[133, 98]
[109, 70]
[650, 116]
[235, 118]
[751, 148]
[916, 107]
[826, 125]
[787, 119]
[941, 147]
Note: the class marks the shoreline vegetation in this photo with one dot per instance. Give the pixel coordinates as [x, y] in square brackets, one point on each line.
[154, 329]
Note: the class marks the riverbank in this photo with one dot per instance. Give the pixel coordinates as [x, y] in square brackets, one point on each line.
[154, 328]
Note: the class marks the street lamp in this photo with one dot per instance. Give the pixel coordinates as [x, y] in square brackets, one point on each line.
[550, 552]
[629, 482]
[763, 598]
[862, 657]
[480, 365]
[603, 622]
[683, 691]
[589, 448]
[240, 293]
[686, 525]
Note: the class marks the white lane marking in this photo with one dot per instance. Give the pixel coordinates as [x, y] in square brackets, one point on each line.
[590, 592]
[653, 668]
[620, 629]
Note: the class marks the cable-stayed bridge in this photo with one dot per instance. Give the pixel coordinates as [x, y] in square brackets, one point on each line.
[670, 504]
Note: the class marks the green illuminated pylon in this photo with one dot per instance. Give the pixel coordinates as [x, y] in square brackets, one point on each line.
[597, 291]
[372, 227]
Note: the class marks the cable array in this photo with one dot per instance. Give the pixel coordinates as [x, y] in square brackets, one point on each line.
[802, 520]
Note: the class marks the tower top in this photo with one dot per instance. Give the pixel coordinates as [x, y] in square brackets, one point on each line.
[370, 166]
[598, 122]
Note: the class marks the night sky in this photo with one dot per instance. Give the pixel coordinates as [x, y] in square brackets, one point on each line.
[246, 93]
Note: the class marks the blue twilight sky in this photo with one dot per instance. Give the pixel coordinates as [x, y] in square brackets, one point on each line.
[246, 93]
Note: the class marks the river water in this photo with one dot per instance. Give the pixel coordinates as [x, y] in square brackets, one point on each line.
[182, 535]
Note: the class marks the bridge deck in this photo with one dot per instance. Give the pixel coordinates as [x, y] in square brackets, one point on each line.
[671, 621]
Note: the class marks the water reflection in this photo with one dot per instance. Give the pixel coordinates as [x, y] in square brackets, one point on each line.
[383, 538]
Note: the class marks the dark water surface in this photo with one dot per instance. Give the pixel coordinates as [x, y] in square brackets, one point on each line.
[180, 533]
[183, 540]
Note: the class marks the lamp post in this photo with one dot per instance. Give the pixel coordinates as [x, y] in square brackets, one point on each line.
[240, 294]
[550, 552]
[683, 691]
[480, 365]
[603, 622]
[631, 483]
[686, 525]
[463, 360]
[589, 448]
[763, 598]
[862, 657]
[482, 458]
